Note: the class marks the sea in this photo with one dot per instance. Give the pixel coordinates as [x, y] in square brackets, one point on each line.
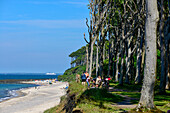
[8, 90]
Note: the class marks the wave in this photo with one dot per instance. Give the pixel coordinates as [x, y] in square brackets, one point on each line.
[8, 94]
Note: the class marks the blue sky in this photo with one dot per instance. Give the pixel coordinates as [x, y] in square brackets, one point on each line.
[38, 35]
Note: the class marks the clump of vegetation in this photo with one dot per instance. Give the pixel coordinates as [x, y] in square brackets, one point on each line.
[70, 74]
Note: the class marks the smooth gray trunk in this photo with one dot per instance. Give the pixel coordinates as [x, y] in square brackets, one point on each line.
[122, 65]
[97, 60]
[147, 92]
[101, 62]
[128, 61]
[115, 48]
[104, 52]
[117, 66]
[91, 56]
[138, 79]
[87, 59]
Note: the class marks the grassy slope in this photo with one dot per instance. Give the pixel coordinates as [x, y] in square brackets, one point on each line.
[89, 101]
[100, 101]
[162, 102]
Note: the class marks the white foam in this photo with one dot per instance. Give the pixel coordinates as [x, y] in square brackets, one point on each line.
[10, 94]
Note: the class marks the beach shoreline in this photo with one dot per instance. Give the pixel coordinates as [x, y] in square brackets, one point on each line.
[35, 99]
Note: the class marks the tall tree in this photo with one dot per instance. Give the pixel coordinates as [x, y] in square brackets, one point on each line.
[147, 92]
[162, 50]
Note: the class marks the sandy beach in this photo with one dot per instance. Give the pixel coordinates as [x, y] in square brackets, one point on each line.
[36, 100]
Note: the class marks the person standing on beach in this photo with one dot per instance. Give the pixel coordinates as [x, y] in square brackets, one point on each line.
[83, 79]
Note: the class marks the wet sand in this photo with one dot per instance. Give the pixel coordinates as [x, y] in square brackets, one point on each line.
[36, 99]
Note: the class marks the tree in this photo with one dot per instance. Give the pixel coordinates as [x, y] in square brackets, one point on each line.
[147, 92]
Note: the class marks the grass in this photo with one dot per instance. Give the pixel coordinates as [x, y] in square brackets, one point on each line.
[100, 101]
[126, 87]
[89, 101]
[162, 102]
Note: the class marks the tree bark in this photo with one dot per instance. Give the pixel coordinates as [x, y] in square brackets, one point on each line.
[122, 64]
[97, 60]
[138, 79]
[147, 93]
[128, 61]
[115, 48]
[117, 66]
[87, 59]
[91, 55]
[162, 50]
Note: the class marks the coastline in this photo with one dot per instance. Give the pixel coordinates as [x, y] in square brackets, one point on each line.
[34, 99]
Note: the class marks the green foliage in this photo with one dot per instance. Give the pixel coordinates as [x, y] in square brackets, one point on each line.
[79, 54]
[70, 74]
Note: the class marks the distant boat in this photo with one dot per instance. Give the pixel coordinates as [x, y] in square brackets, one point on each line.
[50, 73]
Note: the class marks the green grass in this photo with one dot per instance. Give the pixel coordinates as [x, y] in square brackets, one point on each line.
[100, 101]
[92, 107]
[90, 101]
[127, 87]
[100, 95]
[162, 102]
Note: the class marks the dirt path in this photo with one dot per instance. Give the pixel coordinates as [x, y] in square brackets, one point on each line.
[126, 103]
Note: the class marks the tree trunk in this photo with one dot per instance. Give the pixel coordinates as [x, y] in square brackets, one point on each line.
[122, 64]
[101, 61]
[87, 59]
[110, 52]
[128, 61]
[167, 61]
[147, 93]
[117, 66]
[91, 56]
[138, 78]
[72, 64]
[97, 60]
[115, 52]
[104, 52]
[162, 50]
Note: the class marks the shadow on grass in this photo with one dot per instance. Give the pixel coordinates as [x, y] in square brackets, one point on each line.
[101, 95]
[99, 98]
[161, 100]
[127, 87]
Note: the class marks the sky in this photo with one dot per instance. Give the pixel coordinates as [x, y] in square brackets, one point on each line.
[38, 35]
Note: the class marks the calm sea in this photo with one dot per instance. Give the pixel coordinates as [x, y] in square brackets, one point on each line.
[9, 90]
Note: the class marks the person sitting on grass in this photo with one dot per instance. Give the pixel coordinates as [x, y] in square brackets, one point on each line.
[98, 81]
[92, 82]
[88, 81]
[83, 79]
